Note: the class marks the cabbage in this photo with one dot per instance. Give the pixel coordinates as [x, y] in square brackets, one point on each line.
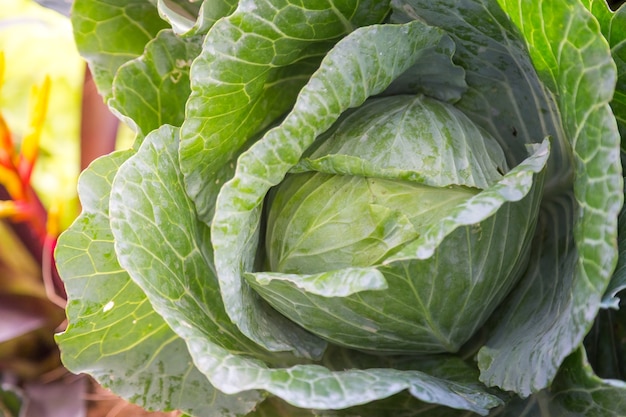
[354, 208]
[381, 186]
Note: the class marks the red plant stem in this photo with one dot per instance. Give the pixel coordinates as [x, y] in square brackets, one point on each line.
[38, 214]
[98, 130]
[33, 235]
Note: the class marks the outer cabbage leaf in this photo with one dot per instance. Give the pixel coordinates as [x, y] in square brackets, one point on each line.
[579, 244]
[618, 281]
[504, 94]
[613, 25]
[190, 270]
[575, 392]
[399, 405]
[172, 240]
[142, 88]
[109, 33]
[251, 68]
[606, 342]
[449, 367]
[114, 334]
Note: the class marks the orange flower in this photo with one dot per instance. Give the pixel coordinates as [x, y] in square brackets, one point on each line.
[14, 210]
[16, 169]
[12, 182]
[30, 142]
[6, 142]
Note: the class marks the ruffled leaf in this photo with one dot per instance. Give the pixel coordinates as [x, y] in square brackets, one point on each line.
[613, 26]
[114, 334]
[504, 94]
[576, 251]
[170, 241]
[575, 392]
[249, 73]
[142, 87]
[347, 71]
[109, 33]
[456, 260]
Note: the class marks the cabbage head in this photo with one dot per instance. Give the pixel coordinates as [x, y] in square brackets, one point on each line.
[354, 208]
[357, 244]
